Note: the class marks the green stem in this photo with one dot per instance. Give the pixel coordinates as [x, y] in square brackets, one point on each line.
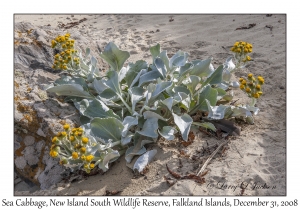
[124, 102]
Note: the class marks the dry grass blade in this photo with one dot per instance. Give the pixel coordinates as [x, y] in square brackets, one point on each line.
[210, 157]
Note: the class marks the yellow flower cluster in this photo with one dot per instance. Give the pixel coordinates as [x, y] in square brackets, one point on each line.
[242, 49]
[252, 86]
[76, 142]
[68, 57]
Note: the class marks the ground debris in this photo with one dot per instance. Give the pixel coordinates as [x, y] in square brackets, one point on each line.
[251, 25]
[198, 179]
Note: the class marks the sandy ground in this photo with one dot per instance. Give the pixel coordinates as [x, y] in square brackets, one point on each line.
[257, 157]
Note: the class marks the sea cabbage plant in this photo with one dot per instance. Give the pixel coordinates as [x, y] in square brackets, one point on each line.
[134, 104]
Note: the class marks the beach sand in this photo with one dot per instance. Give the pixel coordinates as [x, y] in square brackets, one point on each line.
[256, 159]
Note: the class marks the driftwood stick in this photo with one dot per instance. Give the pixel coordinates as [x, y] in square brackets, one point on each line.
[210, 157]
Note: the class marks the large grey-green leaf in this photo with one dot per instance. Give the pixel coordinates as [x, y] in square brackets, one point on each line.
[184, 70]
[216, 112]
[113, 82]
[136, 79]
[226, 75]
[122, 73]
[240, 112]
[229, 65]
[206, 125]
[67, 80]
[201, 68]
[134, 70]
[136, 94]
[126, 139]
[161, 67]
[192, 82]
[133, 151]
[114, 57]
[168, 102]
[150, 76]
[109, 157]
[167, 132]
[159, 88]
[144, 160]
[107, 128]
[128, 122]
[99, 86]
[163, 55]
[215, 78]
[184, 123]
[150, 128]
[179, 59]
[155, 50]
[149, 114]
[210, 94]
[97, 108]
[70, 90]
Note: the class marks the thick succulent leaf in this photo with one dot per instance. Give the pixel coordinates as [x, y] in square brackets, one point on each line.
[70, 90]
[109, 94]
[228, 96]
[150, 128]
[107, 128]
[186, 103]
[253, 109]
[149, 114]
[167, 132]
[184, 123]
[235, 84]
[133, 151]
[202, 68]
[144, 160]
[216, 112]
[184, 70]
[226, 75]
[97, 108]
[159, 88]
[113, 82]
[114, 57]
[161, 67]
[179, 59]
[136, 79]
[67, 80]
[229, 65]
[155, 51]
[84, 120]
[192, 83]
[111, 156]
[179, 97]
[150, 76]
[122, 73]
[210, 94]
[182, 89]
[250, 120]
[221, 93]
[215, 78]
[241, 112]
[163, 55]
[168, 102]
[99, 86]
[128, 122]
[206, 125]
[134, 70]
[136, 94]
[127, 139]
